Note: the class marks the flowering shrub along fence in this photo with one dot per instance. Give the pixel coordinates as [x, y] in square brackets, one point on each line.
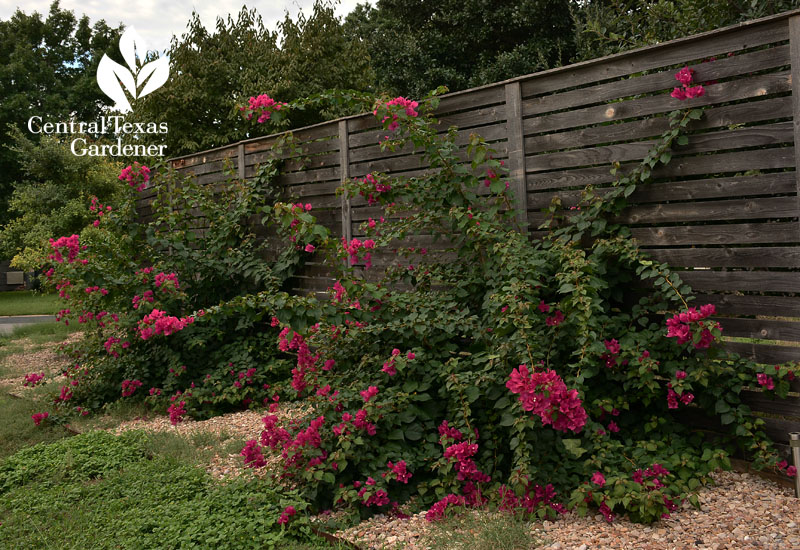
[141, 291]
[517, 375]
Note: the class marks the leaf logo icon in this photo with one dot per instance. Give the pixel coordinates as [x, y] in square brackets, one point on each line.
[115, 79]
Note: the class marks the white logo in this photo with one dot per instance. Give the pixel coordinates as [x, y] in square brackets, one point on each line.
[139, 80]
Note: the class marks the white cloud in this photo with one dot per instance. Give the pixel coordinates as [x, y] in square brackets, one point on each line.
[157, 20]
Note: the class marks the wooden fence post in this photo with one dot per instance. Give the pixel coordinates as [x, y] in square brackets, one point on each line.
[516, 153]
[794, 49]
[241, 161]
[344, 173]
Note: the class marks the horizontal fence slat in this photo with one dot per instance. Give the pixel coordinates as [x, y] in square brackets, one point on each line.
[734, 90]
[752, 136]
[757, 281]
[732, 304]
[676, 52]
[654, 82]
[763, 329]
[757, 256]
[738, 233]
[765, 353]
[763, 159]
[713, 117]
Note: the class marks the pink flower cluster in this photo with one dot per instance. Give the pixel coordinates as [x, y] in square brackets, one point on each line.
[685, 76]
[673, 398]
[176, 412]
[612, 350]
[70, 244]
[288, 512]
[462, 454]
[545, 395]
[554, 320]
[158, 322]
[306, 362]
[129, 387]
[137, 176]
[399, 470]
[354, 246]
[765, 381]
[680, 326]
[38, 417]
[33, 378]
[510, 502]
[438, 510]
[409, 106]
[147, 296]
[162, 278]
[369, 393]
[790, 471]
[66, 393]
[652, 478]
[375, 187]
[253, 457]
[264, 106]
[446, 433]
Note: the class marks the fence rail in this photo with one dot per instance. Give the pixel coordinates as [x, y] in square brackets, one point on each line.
[724, 211]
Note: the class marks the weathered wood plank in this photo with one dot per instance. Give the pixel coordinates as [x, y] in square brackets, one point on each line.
[675, 52]
[516, 153]
[725, 67]
[764, 353]
[732, 304]
[713, 117]
[745, 88]
[720, 234]
[763, 329]
[738, 186]
[762, 402]
[361, 149]
[756, 256]
[751, 136]
[764, 159]
[760, 184]
[733, 209]
[761, 281]
[344, 175]
[794, 44]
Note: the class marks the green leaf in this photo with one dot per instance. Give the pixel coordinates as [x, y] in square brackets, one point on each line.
[574, 447]
[414, 432]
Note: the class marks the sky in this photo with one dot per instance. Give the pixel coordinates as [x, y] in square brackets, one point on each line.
[157, 20]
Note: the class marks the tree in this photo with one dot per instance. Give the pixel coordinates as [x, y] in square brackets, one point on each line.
[214, 73]
[416, 45]
[48, 68]
[51, 198]
[605, 27]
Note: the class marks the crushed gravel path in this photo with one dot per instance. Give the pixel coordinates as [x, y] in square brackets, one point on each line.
[741, 512]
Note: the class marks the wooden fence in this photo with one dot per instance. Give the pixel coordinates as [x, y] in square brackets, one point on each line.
[724, 211]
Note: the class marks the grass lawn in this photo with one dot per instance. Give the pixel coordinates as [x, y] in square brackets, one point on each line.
[27, 302]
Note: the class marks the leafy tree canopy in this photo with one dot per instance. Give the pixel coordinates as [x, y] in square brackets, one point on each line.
[214, 72]
[604, 27]
[47, 68]
[417, 45]
[51, 197]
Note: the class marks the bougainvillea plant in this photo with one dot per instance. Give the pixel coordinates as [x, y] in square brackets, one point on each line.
[534, 376]
[477, 368]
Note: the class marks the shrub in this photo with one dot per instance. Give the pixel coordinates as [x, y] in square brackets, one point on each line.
[533, 375]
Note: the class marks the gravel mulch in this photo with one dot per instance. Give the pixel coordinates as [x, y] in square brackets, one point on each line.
[33, 357]
[742, 511]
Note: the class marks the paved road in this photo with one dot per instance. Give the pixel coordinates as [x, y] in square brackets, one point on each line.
[8, 324]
